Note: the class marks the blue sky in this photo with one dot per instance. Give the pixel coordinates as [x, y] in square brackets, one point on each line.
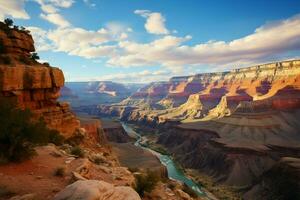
[151, 40]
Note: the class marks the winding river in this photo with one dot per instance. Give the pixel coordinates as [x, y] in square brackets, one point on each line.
[173, 171]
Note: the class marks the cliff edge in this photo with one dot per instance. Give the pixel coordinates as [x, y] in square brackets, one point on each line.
[31, 84]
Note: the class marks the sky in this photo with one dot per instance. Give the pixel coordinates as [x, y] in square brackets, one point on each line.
[152, 40]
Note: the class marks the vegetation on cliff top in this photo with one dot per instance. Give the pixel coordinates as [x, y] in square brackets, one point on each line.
[19, 134]
[146, 182]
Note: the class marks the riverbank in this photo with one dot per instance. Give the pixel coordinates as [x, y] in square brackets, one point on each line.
[174, 172]
[219, 191]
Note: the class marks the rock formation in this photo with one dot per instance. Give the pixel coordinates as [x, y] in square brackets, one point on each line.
[235, 126]
[31, 84]
[277, 82]
[114, 132]
[239, 148]
[92, 189]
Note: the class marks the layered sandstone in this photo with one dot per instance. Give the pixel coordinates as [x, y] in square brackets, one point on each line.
[235, 126]
[31, 84]
[213, 95]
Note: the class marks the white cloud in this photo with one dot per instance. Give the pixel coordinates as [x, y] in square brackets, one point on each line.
[80, 42]
[47, 8]
[50, 10]
[144, 76]
[13, 8]
[40, 39]
[155, 22]
[269, 40]
[89, 3]
[56, 3]
[56, 19]
[136, 54]
[172, 52]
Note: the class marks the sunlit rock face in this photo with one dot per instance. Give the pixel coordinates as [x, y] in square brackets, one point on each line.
[31, 84]
[212, 95]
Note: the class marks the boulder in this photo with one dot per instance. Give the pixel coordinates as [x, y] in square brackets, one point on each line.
[94, 190]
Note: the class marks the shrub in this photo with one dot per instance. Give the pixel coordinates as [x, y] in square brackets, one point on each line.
[77, 151]
[75, 140]
[34, 56]
[18, 134]
[55, 137]
[60, 171]
[146, 182]
[9, 22]
[99, 161]
[46, 64]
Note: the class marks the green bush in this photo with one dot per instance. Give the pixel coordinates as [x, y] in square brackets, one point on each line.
[19, 135]
[77, 151]
[56, 138]
[146, 182]
[34, 56]
[9, 22]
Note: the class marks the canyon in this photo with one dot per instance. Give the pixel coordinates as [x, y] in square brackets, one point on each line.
[84, 165]
[234, 126]
[96, 92]
[240, 128]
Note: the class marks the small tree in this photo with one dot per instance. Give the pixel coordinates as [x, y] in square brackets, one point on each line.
[19, 135]
[146, 182]
[9, 22]
[34, 56]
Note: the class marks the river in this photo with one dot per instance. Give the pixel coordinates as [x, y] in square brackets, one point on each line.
[173, 171]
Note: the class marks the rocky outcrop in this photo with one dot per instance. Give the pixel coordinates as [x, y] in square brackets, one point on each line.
[240, 148]
[92, 189]
[281, 181]
[202, 96]
[31, 84]
[114, 132]
[110, 88]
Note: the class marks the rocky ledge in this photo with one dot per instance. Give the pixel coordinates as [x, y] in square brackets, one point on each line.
[31, 84]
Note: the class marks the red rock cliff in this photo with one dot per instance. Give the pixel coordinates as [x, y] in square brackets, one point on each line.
[31, 84]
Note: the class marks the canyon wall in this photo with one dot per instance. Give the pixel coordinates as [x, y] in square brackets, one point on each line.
[212, 95]
[31, 84]
[234, 126]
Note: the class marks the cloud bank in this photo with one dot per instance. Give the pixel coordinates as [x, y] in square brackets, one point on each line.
[170, 51]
